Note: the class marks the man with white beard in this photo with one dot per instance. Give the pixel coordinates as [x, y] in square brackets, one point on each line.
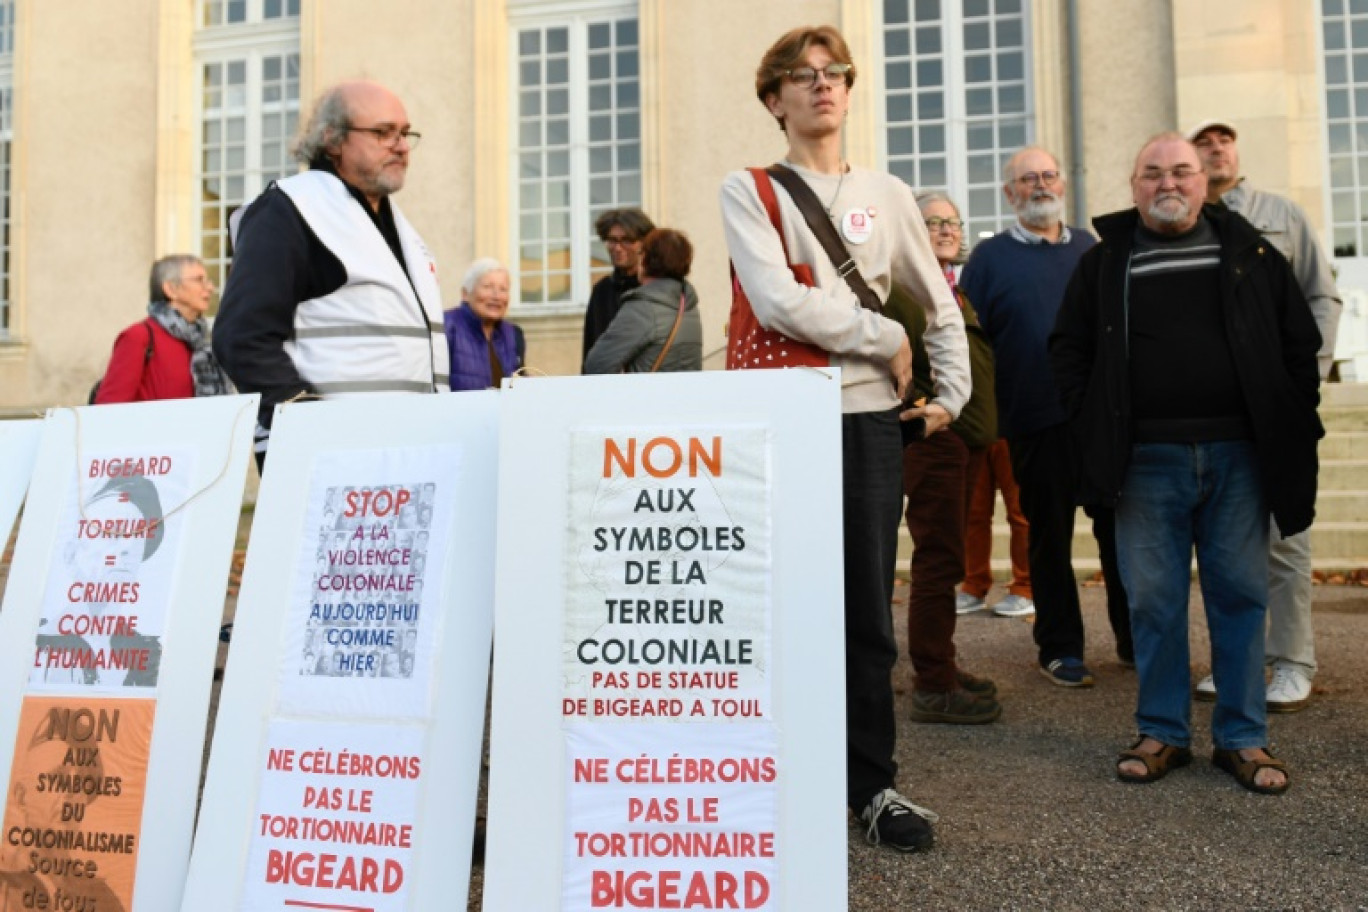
[1015, 281]
[1185, 356]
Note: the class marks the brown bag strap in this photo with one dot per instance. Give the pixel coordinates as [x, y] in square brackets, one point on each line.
[679, 318]
[825, 232]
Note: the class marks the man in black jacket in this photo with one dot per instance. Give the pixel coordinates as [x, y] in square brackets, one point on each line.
[1186, 359]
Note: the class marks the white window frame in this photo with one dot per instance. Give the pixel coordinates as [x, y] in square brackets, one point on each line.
[255, 11]
[249, 42]
[576, 17]
[1355, 266]
[957, 120]
[7, 167]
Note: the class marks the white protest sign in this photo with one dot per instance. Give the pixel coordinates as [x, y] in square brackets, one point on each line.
[107, 644]
[669, 664]
[347, 748]
[18, 449]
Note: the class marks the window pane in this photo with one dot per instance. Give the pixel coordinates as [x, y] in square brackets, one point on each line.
[1336, 69]
[931, 105]
[978, 102]
[933, 173]
[898, 108]
[978, 68]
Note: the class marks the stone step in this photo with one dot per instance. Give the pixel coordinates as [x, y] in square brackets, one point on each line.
[1343, 475]
[1348, 505]
[1337, 418]
[1344, 445]
[1344, 394]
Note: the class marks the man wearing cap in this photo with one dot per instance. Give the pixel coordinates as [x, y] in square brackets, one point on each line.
[1290, 647]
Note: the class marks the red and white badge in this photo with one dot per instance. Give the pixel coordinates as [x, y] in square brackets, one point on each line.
[857, 225]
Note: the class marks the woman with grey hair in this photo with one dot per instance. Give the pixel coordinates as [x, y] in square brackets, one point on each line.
[168, 354]
[484, 347]
[938, 476]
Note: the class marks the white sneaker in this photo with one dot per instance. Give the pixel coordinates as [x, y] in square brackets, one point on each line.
[968, 604]
[1205, 690]
[1014, 606]
[1290, 689]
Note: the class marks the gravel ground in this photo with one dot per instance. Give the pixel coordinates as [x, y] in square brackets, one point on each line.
[1032, 816]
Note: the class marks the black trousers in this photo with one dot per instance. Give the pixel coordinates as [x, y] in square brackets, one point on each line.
[871, 474]
[1046, 467]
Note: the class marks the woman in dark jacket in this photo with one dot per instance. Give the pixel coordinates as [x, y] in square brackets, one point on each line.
[484, 347]
[643, 327]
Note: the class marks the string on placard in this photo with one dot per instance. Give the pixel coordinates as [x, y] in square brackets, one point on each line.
[166, 514]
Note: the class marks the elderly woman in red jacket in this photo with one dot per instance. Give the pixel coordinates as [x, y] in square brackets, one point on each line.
[167, 355]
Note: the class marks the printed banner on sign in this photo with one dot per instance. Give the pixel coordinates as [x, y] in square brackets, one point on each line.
[367, 582]
[656, 826]
[335, 817]
[73, 822]
[667, 610]
[109, 587]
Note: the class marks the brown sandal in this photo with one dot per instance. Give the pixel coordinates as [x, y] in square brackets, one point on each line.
[1157, 764]
[1245, 771]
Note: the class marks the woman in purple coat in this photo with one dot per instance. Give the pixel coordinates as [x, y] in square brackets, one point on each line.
[484, 347]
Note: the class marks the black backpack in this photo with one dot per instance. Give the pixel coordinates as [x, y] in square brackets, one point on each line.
[147, 356]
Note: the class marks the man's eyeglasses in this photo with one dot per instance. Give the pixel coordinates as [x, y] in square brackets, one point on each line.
[1180, 175]
[803, 77]
[1043, 178]
[935, 223]
[617, 240]
[390, 135]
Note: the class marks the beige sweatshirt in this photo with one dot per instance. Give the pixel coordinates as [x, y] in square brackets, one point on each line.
[830, 315]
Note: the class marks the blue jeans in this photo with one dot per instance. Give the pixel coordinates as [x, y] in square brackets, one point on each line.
[1175, 497]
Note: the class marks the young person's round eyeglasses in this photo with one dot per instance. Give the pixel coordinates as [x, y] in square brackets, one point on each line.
[804, 77]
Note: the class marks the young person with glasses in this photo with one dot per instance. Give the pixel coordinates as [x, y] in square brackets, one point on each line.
[804, 83]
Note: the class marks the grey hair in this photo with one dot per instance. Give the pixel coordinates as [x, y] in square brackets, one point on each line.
[1009, 173]
[327, 125]
[168, 269]
[925, 198]
[478, 270]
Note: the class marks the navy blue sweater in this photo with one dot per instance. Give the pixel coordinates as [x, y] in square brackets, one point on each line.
[1016, 289]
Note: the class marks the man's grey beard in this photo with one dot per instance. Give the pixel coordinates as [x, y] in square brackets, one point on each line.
[1042, 212]
[1171, 216]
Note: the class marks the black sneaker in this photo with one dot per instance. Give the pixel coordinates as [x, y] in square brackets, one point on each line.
[957, 707]
[894, 821]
